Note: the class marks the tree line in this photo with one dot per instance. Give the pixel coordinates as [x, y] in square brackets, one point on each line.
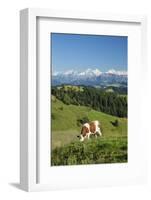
[108, 102]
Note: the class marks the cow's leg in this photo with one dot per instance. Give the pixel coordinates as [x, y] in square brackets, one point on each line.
[82, 138]
[99, 132]
[88, 135]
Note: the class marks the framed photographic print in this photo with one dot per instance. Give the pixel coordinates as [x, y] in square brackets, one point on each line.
[82, 79]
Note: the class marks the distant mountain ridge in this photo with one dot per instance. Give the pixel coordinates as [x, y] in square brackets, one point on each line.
[93, 77]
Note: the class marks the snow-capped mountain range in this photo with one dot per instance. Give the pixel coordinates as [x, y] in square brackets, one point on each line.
[90, 77]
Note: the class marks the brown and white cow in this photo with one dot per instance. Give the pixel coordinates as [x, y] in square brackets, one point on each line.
[91, 128]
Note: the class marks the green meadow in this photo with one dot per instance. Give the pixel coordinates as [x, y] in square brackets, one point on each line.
[66, 149]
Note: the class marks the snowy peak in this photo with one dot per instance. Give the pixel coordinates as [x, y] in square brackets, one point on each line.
[89, 77]
[120, 73]
[90, 72]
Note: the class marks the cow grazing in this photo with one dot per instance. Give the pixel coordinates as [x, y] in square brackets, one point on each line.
[91, 128]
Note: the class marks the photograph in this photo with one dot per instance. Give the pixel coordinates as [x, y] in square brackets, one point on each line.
[89, 99]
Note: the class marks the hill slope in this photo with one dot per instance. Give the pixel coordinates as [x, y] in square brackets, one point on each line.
[65, 127]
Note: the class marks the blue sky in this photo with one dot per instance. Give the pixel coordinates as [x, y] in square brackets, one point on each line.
[80, 52]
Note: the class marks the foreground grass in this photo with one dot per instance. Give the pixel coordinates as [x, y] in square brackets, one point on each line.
[65, 146]
[93, 151]
[61, 138]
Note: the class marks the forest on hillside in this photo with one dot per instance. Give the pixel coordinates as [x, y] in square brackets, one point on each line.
[113, 103]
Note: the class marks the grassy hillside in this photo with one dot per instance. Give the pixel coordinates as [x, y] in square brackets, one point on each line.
[68, 150]
[65, 128]
[74, 88]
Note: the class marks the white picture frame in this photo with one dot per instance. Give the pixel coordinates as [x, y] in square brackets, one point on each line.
[29, 83]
